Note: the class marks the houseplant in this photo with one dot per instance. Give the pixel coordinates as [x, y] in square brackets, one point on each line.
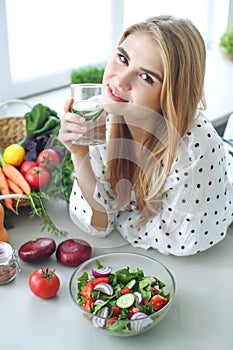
[87, 74]
[226, 43]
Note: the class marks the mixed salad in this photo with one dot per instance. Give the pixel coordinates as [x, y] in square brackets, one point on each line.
[124, 295]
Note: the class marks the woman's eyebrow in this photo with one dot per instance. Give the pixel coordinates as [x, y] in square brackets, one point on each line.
[123, 52]
[156, 75]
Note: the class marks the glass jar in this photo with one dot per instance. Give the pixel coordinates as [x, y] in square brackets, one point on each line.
[8, 263]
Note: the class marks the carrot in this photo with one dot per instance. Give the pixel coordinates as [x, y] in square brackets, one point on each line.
[13, 187]
[4, 188]
[4, 237]
[15, 175]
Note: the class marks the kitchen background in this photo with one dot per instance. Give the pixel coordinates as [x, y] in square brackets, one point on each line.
[43, 41]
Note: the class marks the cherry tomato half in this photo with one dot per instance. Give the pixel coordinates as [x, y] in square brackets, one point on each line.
[44, 283]
[48, 158]
[37, 177]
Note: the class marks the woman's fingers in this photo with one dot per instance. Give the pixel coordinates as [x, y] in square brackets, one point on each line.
[68, 130]
[72, 118]
[68, 105]
[71, 127]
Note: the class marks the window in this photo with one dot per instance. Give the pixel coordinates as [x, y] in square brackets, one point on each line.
[210, 16]
[64, 35]
[42, 41]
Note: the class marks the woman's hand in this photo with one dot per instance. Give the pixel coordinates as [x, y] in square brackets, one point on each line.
[71, 127]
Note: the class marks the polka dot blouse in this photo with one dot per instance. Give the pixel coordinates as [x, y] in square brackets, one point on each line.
[197, 205]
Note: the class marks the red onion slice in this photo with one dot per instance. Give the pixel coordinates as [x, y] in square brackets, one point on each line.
[102, 272]
[99, 320]
[104, 288]
[138, 297]
[153, 281]
[139, 321]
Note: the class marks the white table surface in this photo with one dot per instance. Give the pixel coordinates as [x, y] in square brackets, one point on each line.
[201, 316]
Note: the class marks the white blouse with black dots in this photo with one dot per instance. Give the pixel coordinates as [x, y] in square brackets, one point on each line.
[197, 205]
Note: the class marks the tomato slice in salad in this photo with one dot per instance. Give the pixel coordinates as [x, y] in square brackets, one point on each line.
[100, 280]
[158, 301]
[87, 290]
[125, 290]
[88, 305]
[111, 321]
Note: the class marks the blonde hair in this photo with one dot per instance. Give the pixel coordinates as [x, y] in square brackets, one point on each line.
[183, 58]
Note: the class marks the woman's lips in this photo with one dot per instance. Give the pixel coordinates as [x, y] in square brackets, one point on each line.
[113, 94]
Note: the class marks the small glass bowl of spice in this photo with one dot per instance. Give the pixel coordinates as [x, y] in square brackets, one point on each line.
[8, 263]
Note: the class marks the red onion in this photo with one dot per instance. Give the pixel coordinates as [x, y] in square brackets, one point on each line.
[37, 249]
[73, 252]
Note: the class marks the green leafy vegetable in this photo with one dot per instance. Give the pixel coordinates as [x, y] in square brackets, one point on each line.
[41, 120]
[124, 275]
[144, 287]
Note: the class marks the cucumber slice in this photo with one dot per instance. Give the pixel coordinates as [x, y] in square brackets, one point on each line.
[125, 301]
[130, 284]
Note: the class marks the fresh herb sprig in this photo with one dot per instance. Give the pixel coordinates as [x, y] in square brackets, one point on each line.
[38, 209]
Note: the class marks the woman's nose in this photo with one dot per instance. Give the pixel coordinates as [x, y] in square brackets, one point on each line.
[124, 81]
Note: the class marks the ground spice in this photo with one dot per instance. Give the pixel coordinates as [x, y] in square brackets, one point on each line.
[7, 273]
[7, 263]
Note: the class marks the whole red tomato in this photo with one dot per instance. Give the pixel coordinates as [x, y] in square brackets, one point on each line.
[48, 158]
[37, 177]
[44, 283]
[26, 165]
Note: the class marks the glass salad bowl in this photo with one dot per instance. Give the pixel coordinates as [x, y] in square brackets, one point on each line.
[122, 294]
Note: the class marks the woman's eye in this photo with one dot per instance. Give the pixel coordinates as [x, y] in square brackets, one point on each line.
[147, 78]
[122, 58]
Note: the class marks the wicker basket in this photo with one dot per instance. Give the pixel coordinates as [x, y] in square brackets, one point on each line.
[13, 130]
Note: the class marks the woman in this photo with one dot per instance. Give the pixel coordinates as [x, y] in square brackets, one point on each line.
[161, 179]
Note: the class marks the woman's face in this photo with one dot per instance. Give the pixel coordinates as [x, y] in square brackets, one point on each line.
[134, 74]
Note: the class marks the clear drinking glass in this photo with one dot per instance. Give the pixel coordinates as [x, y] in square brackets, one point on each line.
[8, 263]
[87, 103]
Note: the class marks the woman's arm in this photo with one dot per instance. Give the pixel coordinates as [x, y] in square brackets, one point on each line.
[87, 183]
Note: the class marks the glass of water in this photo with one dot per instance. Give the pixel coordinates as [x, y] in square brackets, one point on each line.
[87, 103]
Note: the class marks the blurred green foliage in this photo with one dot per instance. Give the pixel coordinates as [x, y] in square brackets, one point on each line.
[226, 41]
[87, 74]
